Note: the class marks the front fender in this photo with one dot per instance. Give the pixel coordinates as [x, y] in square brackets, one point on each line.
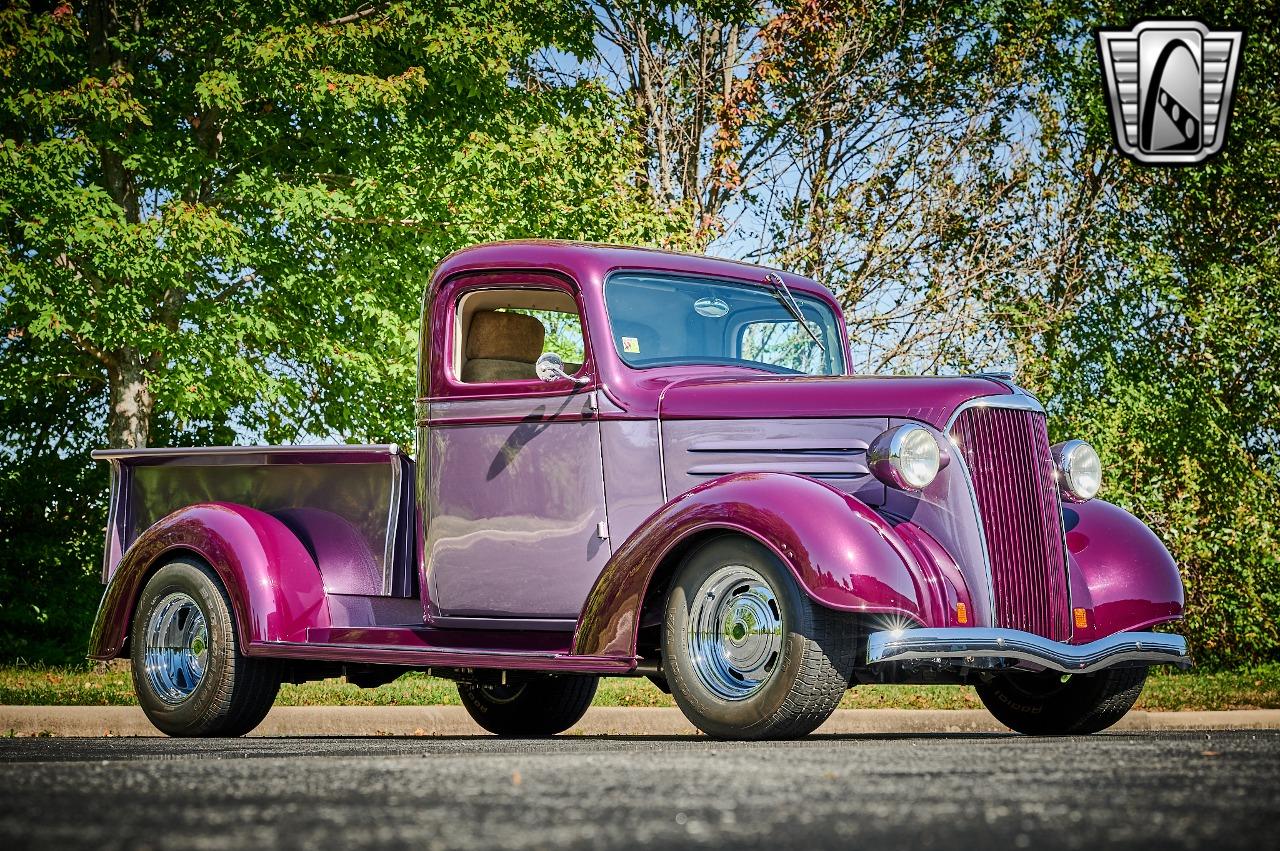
[275, 588]
[1121, 574]
[843, 554]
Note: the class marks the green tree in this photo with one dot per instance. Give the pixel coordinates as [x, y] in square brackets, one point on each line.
[52, 521]
[225, 213]
[218, 219]
[1165, 352]
[897, 152]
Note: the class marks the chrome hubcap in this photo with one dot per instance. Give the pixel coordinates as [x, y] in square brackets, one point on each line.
[735, 632]
[176, 649]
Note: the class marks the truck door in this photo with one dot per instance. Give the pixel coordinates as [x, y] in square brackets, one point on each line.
[513, 508]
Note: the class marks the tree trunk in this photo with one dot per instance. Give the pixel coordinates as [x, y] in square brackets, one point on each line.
[131, 404]
[103, 26]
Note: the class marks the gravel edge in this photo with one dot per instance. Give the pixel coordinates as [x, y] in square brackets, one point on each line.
[99, 721]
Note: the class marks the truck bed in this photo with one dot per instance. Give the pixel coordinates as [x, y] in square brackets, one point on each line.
[352, 506]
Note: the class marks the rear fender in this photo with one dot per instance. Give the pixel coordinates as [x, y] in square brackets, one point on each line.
[843, 554]
[275, 587]
[1121, 574]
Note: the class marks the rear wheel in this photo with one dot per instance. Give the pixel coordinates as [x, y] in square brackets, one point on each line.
[188, 672]
[1053, 704]
[538, 707]
[746, 653]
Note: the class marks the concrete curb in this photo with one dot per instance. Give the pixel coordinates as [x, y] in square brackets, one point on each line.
[602, 720]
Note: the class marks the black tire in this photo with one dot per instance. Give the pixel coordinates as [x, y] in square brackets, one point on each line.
[234, 693]
[532, 708]
[814, 656]
[1041, 704]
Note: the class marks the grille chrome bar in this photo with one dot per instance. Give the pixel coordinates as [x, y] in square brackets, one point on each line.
[1006, 451]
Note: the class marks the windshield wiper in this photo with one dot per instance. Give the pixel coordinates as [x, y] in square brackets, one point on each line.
[783, 292]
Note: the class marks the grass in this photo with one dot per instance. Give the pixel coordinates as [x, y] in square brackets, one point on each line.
[1251, 688]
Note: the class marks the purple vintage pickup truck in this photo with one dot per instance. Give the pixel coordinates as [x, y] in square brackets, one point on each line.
[638, 463]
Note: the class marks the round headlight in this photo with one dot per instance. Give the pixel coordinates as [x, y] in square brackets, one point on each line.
[1079, 470]
[906, 457]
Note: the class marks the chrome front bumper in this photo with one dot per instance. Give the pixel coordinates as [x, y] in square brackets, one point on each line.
[993, 648]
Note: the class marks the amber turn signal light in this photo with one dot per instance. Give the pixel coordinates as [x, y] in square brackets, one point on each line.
[1082, 618]
[962, 613]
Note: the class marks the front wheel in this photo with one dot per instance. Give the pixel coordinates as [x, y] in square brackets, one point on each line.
[746, 653]
[537, 707]
[188, 672]
[1052, 704]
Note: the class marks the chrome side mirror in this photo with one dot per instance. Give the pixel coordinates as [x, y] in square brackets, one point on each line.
[550, 367]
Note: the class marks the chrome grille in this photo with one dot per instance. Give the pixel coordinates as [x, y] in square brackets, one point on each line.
[1007, 452]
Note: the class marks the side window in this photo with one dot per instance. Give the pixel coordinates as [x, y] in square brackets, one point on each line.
[501, 333]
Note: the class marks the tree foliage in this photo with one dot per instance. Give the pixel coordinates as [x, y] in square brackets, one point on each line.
[51, 527]
[903, 153]
[224, 214]
[218, 220]
[1165, 351]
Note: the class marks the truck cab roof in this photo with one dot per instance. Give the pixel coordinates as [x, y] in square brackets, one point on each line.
[589, 263]
[536, 273]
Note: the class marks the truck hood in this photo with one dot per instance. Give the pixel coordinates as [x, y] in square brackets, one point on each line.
[930, 400]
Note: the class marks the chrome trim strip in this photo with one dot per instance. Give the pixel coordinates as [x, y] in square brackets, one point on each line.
[961, 647]
[393, 523]
[113, 517]
[662, 451]
[532, 624]
[1017, 401]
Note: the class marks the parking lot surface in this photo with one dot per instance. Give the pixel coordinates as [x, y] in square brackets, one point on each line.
[946, 791]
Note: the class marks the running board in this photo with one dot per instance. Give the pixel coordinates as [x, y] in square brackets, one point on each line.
[423, 647]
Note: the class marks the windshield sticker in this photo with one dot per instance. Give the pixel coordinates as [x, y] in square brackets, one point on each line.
[631, 345]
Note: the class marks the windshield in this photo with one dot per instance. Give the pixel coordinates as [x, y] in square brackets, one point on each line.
[665, 320]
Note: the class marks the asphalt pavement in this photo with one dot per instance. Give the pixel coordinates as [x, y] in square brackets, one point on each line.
[1161, 790]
